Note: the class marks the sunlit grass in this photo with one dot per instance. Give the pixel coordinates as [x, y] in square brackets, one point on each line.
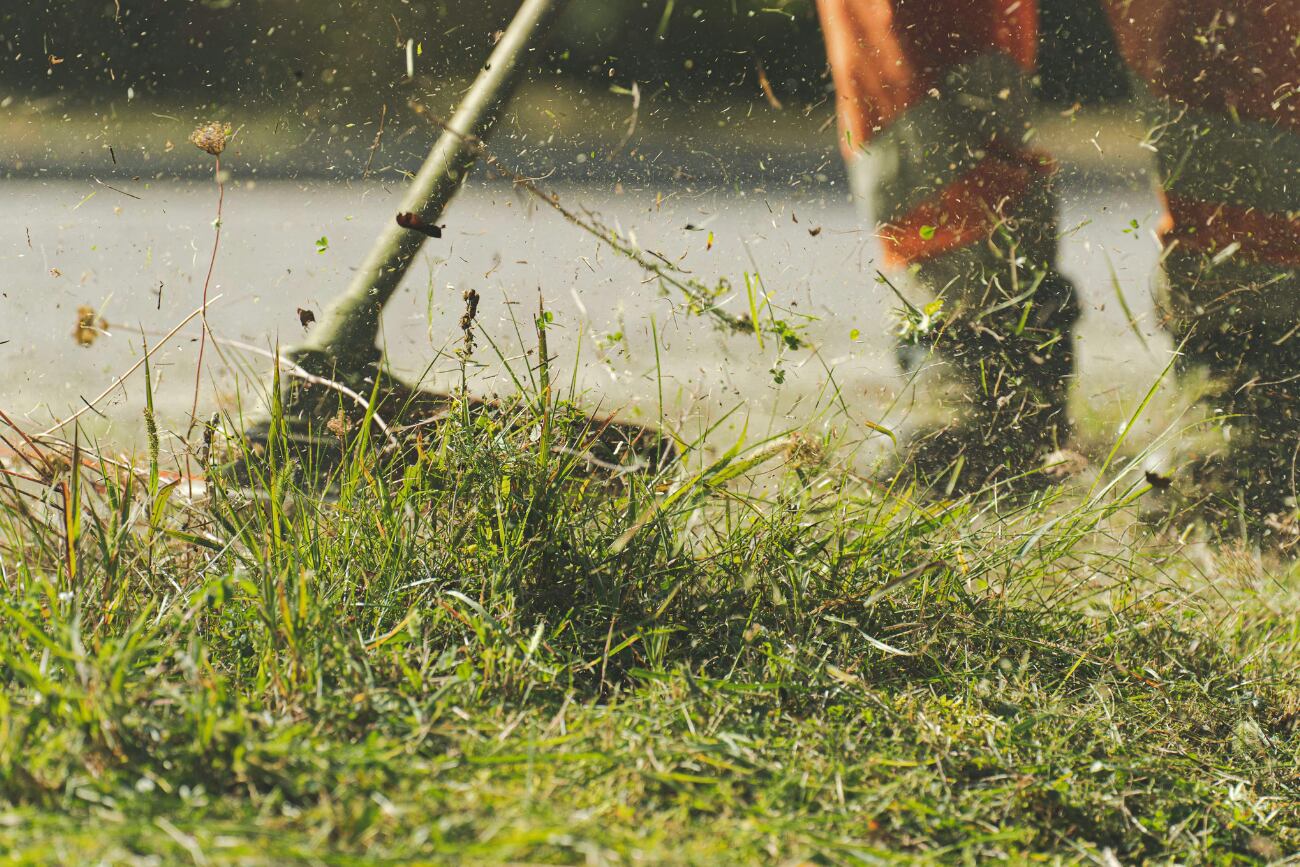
[483, 648]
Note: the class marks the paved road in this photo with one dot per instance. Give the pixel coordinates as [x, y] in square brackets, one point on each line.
[287, 245]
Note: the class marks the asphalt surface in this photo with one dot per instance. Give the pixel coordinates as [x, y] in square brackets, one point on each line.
[139, 261]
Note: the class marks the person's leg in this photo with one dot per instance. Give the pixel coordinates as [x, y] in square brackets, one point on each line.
[934, 100]
[1226, 125]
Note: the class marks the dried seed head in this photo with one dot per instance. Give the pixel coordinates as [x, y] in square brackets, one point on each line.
[211, 137]
[339, 425]
[467, 322]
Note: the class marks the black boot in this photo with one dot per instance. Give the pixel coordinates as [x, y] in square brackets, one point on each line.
[1246, 473]
[1015, 367]
[1237, 322]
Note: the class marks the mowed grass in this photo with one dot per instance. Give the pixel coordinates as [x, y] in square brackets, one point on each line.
[493, 651]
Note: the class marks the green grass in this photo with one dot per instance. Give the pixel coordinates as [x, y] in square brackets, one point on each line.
[489, 653]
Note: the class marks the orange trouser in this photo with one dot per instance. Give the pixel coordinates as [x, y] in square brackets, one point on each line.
[950, 78]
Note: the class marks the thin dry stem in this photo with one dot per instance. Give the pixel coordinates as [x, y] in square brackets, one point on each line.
[90, 404]
[207, 282]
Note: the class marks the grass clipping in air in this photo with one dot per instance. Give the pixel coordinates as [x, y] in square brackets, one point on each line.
[491, 653]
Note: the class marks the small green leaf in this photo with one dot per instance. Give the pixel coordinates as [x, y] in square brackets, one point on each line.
[927, 232]
[322, 244]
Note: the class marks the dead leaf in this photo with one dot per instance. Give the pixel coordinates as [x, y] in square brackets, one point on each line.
[89, 326]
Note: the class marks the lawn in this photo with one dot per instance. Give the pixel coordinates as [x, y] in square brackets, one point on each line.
[489, 647]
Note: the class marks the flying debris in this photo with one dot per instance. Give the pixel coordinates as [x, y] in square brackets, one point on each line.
[416, 224]
[1157, 481]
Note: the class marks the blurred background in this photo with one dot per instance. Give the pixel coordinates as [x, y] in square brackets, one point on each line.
[330, 67]
[702, 129]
